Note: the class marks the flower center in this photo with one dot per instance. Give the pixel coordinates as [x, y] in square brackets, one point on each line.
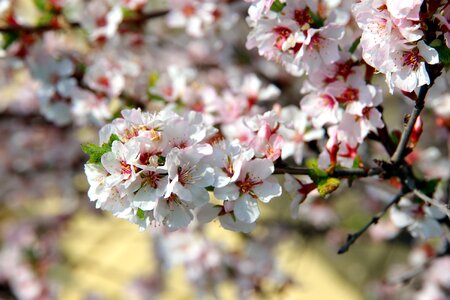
[412, 59]
[125, 169]
[349, 95]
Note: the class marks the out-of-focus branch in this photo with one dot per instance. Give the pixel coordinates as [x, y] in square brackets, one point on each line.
[140, 18]
[353, 237]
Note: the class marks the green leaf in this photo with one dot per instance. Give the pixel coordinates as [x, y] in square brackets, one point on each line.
[42, 5]
[327, 186]
[161, 161]
[140, 214]
[315, 172]
[429, 186]
[277, 6]
[317, 20]
[210, 188]
[9, 38]
[153, 79]
[96, 152]
[45, 19]
[354, 45]
[444, 55]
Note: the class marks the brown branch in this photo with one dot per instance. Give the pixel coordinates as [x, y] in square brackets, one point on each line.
[399, 153]
[335, 173]
[141, 18]
[353, 237]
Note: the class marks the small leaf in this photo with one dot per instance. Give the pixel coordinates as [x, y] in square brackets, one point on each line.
[327, 186]
[161, 161]
[277, 6]
[210, 188]
[42, 5]
[9, 38]
[45, 19]
[153, 79]
[140, 214]
[317, 20]
[429, 186]
[315, 172]
[444, 54]
[354, 45]
[96, 152]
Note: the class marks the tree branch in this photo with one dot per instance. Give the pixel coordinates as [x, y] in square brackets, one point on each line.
[335, 173]
[399, 153]
[353, 237]
[140, 18]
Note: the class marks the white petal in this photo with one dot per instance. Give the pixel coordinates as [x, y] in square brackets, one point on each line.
[430, 54]
[258, 169]
[269, 189]
[229, 192]
[208, 212]
[246, 209]
[229, 223]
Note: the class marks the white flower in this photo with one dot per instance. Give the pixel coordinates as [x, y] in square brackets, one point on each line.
[189, 175]
[254, 183]
[410, 71]
[296, 132]
[120, 163]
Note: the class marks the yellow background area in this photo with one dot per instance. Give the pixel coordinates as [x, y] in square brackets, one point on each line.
[105, 253]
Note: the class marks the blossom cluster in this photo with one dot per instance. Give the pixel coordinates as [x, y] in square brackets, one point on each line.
[392, 41]
[159, 167]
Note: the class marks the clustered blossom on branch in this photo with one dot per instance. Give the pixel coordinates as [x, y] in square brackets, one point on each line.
[160, 167]
[235, 159]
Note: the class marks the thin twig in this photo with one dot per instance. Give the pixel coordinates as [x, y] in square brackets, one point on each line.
[335, 173]
[399, 153]
[353, 237]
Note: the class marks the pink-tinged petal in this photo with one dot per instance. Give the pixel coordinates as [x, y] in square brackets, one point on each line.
[375, 118]
[430, 54]
[258, 169]
[229, 223]
[229, 192]
[329, 52]
[246, 209]
[208, 212]
[269, 189]
[298, 154]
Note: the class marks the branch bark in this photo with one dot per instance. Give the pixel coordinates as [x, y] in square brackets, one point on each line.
[335, 173]
[399, 153]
